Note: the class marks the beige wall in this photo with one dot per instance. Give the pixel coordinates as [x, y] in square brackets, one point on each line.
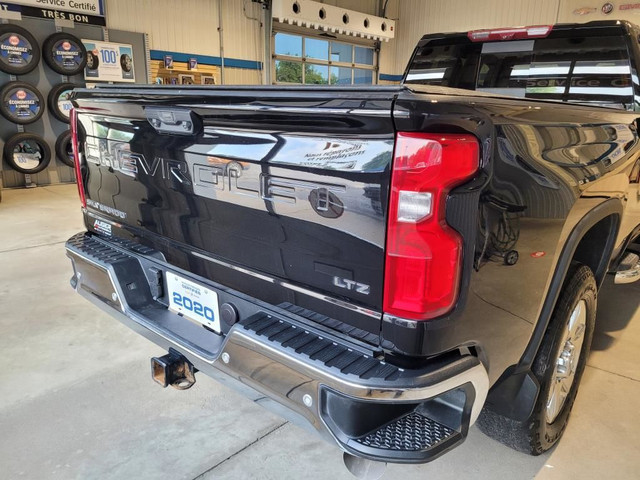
[191, 26]
[571, 11]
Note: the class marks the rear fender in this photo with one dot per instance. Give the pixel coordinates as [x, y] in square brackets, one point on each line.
[515, 393]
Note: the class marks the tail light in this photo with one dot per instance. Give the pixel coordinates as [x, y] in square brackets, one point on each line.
[517, 33]
[73, 120]
[423, 256]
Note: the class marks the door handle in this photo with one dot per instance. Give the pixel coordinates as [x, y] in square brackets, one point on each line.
[176, 121]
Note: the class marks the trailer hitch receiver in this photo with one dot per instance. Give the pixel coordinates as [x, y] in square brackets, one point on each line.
[173, 369]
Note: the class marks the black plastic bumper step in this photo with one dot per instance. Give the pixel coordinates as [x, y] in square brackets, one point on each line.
[362, 335]
[320, 348]
[411, 432]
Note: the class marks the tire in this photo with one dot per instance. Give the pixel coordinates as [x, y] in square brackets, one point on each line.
[58, 105]
[13, 59]
[63, 149]
[92, 61]
[126, 63]
[64, 53]
[543, 428]
[21, 103]
[35, 157]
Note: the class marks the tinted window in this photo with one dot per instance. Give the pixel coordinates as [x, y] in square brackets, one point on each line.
[341, 52]
[316, 48]
[362, 76]
[578, 69]
[288, 45]
[443, 63]
[288, 72]
[316, 74]
[592, 69]
[364, 55]
[340, 76]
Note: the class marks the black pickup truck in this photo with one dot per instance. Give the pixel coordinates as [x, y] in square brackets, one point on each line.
[380, 264]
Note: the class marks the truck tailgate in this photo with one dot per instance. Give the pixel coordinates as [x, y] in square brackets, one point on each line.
[279, 193]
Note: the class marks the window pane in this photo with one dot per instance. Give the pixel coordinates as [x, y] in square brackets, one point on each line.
[288, 45]
[601, 72]
[316, 74]
[288, 72]
[316, 48]
[505, 67]
[340, 76]
[364, 55]
[362, 76]
[578, 68]
[441, 63]
[341, 52]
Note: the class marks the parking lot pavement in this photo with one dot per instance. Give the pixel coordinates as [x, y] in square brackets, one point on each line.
[77, 400]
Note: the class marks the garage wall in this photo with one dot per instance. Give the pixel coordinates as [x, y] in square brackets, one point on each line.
[191, 27]
[364, 6]
[580, 11]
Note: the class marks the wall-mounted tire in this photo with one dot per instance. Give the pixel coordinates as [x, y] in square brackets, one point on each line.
[64, 53]
[27, 153]
[21, 103]
[64, 151]
[59, 105]
[92, 61]
[126, 62]
[21, 52]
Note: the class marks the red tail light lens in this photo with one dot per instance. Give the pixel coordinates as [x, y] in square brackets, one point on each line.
[73, 120]
[423, 257]
[517, 33]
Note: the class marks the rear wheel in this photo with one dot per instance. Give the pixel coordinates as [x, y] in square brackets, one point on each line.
[558, 367]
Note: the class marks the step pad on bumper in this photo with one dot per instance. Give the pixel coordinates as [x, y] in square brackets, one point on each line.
[412, 432]
[317, 347]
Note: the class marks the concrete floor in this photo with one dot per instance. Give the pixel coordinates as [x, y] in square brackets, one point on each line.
[77, 400]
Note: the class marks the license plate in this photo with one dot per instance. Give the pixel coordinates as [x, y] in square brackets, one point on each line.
[193, 301]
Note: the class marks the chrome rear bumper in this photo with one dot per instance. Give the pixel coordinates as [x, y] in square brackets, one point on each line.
[312, 377]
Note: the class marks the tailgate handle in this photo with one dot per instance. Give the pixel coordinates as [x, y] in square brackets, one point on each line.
[176, 121]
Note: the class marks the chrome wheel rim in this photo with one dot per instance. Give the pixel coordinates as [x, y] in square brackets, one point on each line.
[567, 360]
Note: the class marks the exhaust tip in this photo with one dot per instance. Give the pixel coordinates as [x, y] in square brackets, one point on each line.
[363, 468]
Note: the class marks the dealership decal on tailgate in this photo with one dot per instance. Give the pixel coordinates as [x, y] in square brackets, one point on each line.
[193, 301]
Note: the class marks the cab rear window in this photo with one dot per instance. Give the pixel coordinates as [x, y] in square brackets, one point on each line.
[571, 69]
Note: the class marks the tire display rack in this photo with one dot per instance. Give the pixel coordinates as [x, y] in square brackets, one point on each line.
[46, 128]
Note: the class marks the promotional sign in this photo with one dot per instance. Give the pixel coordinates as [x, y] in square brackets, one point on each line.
[85, 11]
[109, 62]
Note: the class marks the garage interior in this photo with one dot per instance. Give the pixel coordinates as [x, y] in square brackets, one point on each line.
[76, 397]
